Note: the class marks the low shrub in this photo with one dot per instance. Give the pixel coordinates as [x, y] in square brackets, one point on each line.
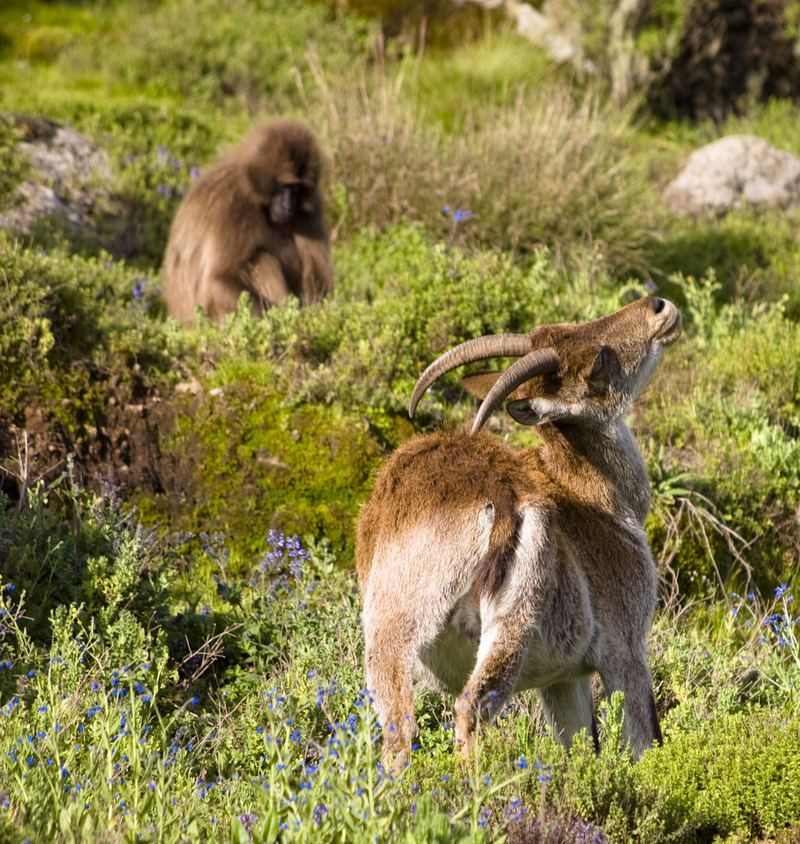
[64, 546]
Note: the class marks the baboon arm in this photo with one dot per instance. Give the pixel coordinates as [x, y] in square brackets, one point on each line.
[219, 294]
[268, 283]
[317, 278]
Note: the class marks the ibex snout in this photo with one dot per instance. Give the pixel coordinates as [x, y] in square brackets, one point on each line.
[665, 319]
[630, 333]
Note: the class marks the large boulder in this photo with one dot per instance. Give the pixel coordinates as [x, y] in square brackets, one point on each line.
[735, 172]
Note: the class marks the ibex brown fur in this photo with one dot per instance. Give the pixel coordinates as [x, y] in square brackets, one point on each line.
[487, 569]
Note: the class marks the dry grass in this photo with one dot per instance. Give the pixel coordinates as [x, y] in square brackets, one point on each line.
[551, 168]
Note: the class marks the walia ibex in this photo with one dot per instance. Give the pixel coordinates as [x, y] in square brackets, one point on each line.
[487, 569]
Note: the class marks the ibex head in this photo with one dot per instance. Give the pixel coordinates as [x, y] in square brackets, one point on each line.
[588, 373]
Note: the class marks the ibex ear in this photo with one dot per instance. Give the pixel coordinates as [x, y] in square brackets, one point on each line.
[479, 383]
[536, 411]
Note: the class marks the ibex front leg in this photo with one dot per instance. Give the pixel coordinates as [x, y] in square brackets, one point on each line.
[628, 672]
[509, 617]
[569, 709]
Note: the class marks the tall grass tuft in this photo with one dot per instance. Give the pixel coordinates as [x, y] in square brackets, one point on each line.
[549, 167]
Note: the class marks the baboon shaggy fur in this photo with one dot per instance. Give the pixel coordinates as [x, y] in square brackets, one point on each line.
[252, 222]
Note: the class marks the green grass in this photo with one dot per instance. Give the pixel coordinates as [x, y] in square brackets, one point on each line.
[243, 705]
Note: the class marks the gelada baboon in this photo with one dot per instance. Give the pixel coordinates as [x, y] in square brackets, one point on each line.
[251, 222]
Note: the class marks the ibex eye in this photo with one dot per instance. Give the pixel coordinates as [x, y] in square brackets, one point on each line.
[599, 363]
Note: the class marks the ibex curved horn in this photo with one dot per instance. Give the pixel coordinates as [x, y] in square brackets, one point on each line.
[535, 363]
[490, 346]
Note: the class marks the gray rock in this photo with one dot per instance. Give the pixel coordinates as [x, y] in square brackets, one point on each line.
[67, 179]
[735, 172]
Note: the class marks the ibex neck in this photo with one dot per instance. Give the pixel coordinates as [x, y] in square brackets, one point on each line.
[601, 466]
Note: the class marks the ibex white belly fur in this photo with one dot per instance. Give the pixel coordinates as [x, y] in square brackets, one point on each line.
[487, 569]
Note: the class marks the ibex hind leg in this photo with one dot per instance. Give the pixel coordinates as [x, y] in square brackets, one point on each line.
[569, 708]
[393, 641]
[631, 676]
[508, 619]
[403, 615]
[489, 687]
[389, 662]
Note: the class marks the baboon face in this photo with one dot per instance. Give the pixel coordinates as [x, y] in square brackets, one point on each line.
[284, 203]
[284, 171]
[603, 365]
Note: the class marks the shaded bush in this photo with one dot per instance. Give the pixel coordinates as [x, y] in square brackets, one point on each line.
[731, 50]
[752, 254]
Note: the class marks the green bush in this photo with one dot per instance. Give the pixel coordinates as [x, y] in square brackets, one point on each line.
[403, 300]
[67, 320]
[64, 547]
[701, 784]
[213, 52]
[48, 310]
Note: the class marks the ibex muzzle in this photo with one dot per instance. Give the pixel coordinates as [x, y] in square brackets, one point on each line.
[487, 569]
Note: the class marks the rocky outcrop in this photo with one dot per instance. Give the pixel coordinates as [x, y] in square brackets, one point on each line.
[68, 174]
[735, 172]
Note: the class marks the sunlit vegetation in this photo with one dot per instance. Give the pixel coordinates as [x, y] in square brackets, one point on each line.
[180, 646]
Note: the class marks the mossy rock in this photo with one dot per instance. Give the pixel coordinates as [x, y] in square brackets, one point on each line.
[254, 464]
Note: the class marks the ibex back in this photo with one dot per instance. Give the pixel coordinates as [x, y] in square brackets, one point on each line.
[487, 569]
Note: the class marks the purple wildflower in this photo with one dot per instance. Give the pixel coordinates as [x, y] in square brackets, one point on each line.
[248, 820]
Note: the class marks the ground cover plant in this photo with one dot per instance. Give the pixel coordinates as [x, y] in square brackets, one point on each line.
[180, 645]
